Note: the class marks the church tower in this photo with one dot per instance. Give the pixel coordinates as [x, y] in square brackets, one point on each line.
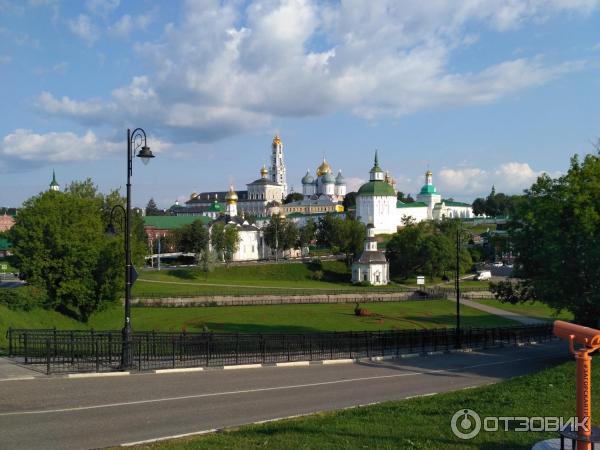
[54, 186]
[277, 165]
[231, 199]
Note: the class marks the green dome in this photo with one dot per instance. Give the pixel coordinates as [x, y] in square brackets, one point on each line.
[428, 189]
[377, 188]
[215, 207]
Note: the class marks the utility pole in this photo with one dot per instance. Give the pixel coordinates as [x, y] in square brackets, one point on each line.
[458, 336]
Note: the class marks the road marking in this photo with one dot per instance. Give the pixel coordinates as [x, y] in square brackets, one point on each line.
[18, 379]
[267, 389]
[164, 438]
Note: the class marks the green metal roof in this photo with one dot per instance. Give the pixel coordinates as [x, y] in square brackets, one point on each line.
[377, 188]
[376, 167]
[400, 204]
[428, 189]
[5, 244]
[215, 207]
[53, 183]
[450, 203]
[173, 222]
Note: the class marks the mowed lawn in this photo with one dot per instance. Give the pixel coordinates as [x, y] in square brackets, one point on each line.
[532, 309]
[248, 279]
[419, 423]
[261, 319]
[300, 318]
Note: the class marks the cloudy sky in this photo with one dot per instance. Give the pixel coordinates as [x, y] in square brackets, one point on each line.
[482, 92]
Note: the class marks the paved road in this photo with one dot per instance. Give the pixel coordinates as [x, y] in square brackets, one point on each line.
[53, 413]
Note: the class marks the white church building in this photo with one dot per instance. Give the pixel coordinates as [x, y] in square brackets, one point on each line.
[371, 266]
[377, 203]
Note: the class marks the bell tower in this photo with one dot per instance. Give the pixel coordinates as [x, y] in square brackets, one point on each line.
[277, 171]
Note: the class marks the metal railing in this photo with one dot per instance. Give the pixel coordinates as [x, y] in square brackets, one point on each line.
[56, 351]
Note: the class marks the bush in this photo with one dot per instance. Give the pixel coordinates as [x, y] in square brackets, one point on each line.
[23, 298]
[362, 283]
[317, 275]
[362, 312]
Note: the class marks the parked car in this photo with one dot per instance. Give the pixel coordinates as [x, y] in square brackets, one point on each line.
[498, 264]
[483, 275]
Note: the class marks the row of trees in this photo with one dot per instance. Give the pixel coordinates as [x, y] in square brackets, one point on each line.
[496, 204]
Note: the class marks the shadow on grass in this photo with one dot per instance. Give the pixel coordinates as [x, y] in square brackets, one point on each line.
[184, 274]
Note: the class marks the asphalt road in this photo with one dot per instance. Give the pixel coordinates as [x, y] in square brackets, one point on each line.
[59, 413]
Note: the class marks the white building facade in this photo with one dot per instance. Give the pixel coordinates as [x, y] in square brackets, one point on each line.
[371, 266]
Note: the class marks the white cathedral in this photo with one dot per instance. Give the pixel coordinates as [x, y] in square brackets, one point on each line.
[377, 203]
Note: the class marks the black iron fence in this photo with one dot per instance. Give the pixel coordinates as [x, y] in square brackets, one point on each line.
[55, 351]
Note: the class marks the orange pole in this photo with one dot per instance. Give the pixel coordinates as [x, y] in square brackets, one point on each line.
[584, 397]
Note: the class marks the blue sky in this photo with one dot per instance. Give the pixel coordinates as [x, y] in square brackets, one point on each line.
[482, 92]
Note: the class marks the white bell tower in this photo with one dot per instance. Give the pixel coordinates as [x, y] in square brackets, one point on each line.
[277, 171]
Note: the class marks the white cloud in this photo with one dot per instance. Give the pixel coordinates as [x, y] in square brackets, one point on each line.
[226, 68]
[127, 24]
[83, 27]
[102, 7]
[510, 178]
[26, 145]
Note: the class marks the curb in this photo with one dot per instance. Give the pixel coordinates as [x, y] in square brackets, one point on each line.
[329, 362]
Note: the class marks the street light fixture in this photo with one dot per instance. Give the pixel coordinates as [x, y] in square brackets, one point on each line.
[136, 140]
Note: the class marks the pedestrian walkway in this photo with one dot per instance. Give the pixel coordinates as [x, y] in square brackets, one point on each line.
[526, 320]
[9, 370]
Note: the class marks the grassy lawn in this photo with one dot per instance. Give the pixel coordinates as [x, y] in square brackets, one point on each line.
[36, 318]
[419, 423]
[248, 280]
[262, 319]
[532, 309]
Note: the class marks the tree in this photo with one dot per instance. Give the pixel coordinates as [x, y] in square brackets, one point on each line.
[231, 242]
[60, 246]
[193, 238]
[350, 237]
[479, 206]
[217, 239]
[405, 198]
[281, 234]
[152, 209]
[293, 197]
[349, 201]
[307, 233]
[289, 235]
[555, 234]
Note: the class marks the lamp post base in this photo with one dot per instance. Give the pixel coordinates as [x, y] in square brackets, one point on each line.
[127, 348]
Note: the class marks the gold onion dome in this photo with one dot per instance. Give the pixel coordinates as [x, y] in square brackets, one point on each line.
[231, 196]
[428, 173]
[323, 168]
[276, 140]
[264, 171]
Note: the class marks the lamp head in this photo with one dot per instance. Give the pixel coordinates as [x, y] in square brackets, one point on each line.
[145, 153]
[110, 229]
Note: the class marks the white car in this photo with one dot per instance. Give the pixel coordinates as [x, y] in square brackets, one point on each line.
[483, 275]
[498, 264]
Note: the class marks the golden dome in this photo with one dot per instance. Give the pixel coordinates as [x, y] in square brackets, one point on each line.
[276, 140]
[231, 197]
[323, 168]
[428, 173]
[264, 171]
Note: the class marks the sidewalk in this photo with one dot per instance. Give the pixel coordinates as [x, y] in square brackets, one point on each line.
[9, 370]
[501, 312]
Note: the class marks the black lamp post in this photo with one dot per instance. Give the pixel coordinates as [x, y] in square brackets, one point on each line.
[458, 336]
[135, 140]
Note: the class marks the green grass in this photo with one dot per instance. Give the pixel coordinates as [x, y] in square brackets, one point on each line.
[36, 318]
[262, 319]
[532, 309]
[299, 318]
[252, 279]
[419, 423]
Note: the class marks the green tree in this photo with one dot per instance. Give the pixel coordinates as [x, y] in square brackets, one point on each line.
[349, 201]
[307, 233]
[60, 246]
[281, 234]
[217, 239]
[231, 242]
[193, 238]
[293, 197]
[555, 234]
[152, 209]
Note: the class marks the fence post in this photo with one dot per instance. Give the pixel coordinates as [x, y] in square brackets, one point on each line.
[173, 351]
[10, 341]
[423, 340]
[25, 347]
[331, 339]
[310, 355]
[140, 354]
[237, 348]
[54, 340]
[97, 355]
[368, 343]
[47, 356]
[262, 348]
[110, 349]
[351, 339]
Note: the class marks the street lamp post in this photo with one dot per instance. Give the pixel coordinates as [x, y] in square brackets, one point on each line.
[135, 140]
[458, 336]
